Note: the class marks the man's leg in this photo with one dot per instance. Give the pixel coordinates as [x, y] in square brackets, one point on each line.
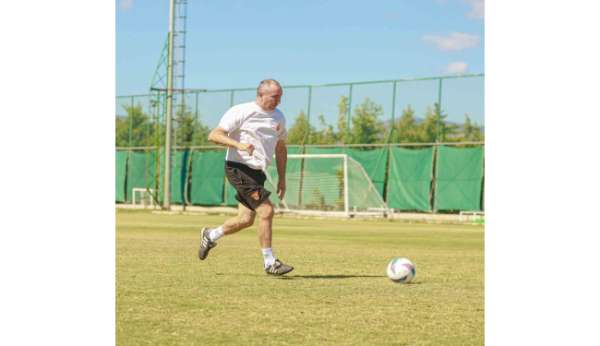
[244, 219]
[273, 266]
[208, 237]
[265, 223]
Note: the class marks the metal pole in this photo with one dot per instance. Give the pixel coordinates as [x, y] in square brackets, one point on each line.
[349, 114]
[308, 114]
[439, 102]
[318, 85]
[348, 83]
[393, 114]
[159, 110]
[131, 121]
[196, 109]
[374, 145]
[346, 206]
[435, 174]
[394, 101]
[226, 183]
[129, 152]
[167, 180]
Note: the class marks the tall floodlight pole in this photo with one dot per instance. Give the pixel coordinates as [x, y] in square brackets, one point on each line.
[169, 116]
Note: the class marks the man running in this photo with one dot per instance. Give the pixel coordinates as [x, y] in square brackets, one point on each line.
[252, 132]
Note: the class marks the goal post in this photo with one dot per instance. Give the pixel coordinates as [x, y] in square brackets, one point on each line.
[326, 184]
[143, 196]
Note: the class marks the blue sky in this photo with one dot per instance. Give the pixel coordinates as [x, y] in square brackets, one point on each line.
[236, 43]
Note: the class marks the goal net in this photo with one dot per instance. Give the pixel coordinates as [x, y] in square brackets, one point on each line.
[326, 184]
[142, 197]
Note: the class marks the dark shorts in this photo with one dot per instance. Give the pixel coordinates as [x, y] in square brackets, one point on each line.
[248, 182]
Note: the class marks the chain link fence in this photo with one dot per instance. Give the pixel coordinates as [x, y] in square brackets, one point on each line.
[384, 125]
[420, 110]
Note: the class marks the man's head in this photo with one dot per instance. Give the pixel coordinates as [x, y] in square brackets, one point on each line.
[268, 94]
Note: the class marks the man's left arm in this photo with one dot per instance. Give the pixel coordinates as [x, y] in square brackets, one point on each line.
[281, 158]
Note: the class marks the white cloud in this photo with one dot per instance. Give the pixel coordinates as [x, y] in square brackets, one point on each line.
[457, 67]
[125, 4]
[477, 8]
[454, 42]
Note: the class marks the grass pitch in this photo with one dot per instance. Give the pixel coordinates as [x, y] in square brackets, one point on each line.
[337, 294]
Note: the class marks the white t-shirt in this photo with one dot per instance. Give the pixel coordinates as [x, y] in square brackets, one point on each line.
[248, 123]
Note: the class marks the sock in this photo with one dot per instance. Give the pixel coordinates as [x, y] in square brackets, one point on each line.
[268, 256]
[215, 233]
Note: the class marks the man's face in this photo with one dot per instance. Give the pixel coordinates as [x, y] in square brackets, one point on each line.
[270, 98]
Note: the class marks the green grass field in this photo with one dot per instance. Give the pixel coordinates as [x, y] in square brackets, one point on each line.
[337, 294]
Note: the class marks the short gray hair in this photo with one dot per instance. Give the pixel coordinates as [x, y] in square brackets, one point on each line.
[264, 84]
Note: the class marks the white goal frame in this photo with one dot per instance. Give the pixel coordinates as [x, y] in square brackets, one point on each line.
[348, 212]
[143, 192]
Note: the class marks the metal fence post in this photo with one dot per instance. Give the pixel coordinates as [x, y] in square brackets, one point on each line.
[131, 121]
[349, 111]
[393, 123]
[308, 114]
[439, 110]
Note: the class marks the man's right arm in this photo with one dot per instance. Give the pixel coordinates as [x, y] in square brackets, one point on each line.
[219, 136]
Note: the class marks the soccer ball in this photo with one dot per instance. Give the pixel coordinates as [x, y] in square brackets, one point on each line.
[401, 270]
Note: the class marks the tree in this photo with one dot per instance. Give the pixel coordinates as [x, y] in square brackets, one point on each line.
[427, 130]
[342, 113]
[299, 132]
[326, 135]
[405, 129]
[434, 127]
[366, 127]
[472, 132]
[190, 131]
[201, 132]
[184, 127]
[135, 129]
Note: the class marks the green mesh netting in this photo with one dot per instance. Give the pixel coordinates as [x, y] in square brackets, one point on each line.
[291, 177]
[179, 173]
[459, 176]
[320, 184]
[373, 161]
[363, 195]
[120, 174]
[207, 177]
[179, 176]
[140, 171]
[291, 171]
[409, 182]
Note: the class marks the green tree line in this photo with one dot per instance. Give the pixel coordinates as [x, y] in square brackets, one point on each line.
[138, 129]
[366, 126]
